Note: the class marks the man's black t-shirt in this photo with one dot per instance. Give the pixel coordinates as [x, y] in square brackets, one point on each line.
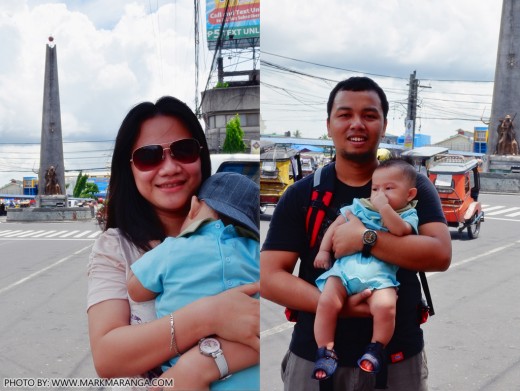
[287, 233]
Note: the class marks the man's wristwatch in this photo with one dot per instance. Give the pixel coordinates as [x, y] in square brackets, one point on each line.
[369, 239]
[211, 347]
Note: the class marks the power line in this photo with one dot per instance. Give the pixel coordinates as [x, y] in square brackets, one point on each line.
[329, 66]
[372, 74]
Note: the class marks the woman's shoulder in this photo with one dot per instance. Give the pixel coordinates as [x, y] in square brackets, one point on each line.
[108, 240]
[113, 246]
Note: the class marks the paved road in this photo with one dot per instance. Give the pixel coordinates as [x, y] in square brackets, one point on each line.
[43, 323]
[473, 341]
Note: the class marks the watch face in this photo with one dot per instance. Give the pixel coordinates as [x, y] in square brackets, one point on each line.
[369, 236]
[209, 345]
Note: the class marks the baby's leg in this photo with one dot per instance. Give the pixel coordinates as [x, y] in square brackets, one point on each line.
[329, 305]
[382, 305]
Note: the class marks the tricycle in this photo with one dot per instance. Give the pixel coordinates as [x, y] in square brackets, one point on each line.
[457, 180]
[280, 167]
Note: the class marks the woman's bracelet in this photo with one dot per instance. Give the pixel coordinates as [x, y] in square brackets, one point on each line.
[173, 343]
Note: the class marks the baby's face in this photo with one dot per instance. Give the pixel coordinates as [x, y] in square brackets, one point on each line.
[390, 183]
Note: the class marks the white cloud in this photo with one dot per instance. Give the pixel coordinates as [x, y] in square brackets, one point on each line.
[111, 56]
[441, 40]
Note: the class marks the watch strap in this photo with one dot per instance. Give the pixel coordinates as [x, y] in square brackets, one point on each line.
[366, 249]
[221, 362]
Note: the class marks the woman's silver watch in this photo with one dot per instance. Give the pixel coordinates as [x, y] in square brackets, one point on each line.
[210, 347]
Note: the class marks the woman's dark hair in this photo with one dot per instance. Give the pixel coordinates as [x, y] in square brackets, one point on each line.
[126, 207]
[358, 83]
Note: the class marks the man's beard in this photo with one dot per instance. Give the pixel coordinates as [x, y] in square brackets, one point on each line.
[359, 157]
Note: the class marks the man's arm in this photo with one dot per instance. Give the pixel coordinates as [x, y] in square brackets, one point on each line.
[428, 251]
[279, 285]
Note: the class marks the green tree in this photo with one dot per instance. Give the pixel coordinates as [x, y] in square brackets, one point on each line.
[234, 142]
[297, 134]
[90, 190]
[324, 137]
[81, 182]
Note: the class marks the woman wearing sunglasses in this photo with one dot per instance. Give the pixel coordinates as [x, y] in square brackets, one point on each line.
[159, 162]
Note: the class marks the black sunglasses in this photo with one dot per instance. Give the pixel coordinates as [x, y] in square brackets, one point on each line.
[148, 157]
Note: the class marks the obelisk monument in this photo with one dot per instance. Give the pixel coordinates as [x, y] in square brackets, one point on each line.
[506, 92]
[51, 201]
[51, 175]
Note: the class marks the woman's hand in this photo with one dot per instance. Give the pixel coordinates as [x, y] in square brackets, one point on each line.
[348, 237]
[238, 315]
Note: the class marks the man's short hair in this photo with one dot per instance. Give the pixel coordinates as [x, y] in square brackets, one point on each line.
[358, 83]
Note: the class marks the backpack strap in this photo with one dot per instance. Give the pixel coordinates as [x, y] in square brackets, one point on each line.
[426, 289]
[321, 197]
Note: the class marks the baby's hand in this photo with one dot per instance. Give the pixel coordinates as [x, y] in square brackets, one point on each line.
[379, 200]
[322, 260]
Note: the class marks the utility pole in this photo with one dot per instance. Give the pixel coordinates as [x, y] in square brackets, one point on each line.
[412, 107]
[197, 44]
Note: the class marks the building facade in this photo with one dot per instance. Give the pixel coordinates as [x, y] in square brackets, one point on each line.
[219, 105]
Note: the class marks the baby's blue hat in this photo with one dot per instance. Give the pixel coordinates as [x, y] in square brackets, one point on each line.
[235, 196]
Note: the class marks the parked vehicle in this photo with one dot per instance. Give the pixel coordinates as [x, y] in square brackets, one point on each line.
[457, 180]
[308, 165]
[280, 168]
[242, 163]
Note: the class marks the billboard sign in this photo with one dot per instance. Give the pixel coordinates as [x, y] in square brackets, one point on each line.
[242, 23]
[408, 134]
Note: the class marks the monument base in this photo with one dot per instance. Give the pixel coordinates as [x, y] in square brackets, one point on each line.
[49, 214]
[497, 182]
[51, 201]
[504, 163]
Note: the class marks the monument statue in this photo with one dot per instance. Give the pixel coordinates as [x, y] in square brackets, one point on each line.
[51, 182]
[502, 152]
[507, 144]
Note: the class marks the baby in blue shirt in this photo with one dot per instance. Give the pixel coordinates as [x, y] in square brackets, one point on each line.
[390, 208]
[218, 249]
